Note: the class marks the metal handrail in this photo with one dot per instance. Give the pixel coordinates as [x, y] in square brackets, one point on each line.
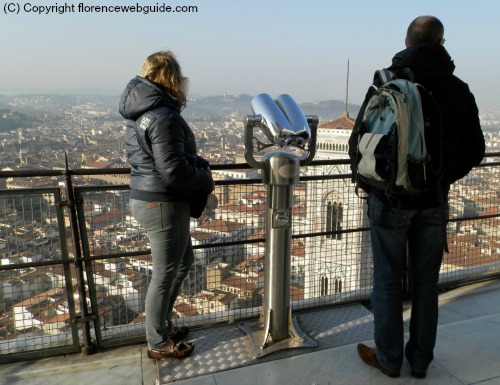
[85, 322]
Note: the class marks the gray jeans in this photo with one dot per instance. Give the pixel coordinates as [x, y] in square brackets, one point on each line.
[167, 226]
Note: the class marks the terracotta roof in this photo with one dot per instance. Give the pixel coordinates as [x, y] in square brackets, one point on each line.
[253, 260]
[259, 235]
[185, 309]
[241, 283]
[222, 226]
[342, 123]
[253, 209]
[296, 293]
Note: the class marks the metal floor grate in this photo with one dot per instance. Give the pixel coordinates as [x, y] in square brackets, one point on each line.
[228, 347]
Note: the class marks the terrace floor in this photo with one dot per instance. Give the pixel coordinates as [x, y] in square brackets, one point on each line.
[467, 352]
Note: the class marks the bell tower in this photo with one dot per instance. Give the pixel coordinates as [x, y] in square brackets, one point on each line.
[339, 261]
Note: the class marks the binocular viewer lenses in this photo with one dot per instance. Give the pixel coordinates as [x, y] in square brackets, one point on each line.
[282, 120]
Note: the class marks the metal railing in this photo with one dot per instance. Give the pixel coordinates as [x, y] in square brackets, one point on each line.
[75, 266]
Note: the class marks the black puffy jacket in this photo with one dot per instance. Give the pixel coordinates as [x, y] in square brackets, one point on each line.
[161, 147]
[463, 140]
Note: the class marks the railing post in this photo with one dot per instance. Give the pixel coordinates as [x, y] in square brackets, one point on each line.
[85, 317]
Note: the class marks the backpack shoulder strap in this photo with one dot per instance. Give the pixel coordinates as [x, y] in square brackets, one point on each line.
[382, 76]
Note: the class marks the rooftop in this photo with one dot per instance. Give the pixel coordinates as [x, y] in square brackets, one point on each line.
[345, 122]
[466, 352]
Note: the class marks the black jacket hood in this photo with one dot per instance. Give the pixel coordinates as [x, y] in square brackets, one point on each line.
[430, 60]
[141, 95]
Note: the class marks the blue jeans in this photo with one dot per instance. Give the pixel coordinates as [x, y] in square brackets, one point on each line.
[396, 234]
[167, 226]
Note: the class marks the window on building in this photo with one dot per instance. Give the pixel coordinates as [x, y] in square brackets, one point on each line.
[324, 286]
[338, 285]
[334, 215]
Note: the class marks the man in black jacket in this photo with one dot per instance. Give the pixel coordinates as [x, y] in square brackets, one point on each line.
[416, 223]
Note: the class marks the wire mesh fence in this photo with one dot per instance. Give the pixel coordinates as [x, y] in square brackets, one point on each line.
[49, 269]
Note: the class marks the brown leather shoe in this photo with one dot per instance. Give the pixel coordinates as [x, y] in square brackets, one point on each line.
[180, 350]
[369, 357]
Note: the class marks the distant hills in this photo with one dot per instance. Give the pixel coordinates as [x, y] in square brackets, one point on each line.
[22, 110]
[329, 109]
[215, 108]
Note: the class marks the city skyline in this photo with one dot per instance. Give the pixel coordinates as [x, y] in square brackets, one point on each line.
[241, 47]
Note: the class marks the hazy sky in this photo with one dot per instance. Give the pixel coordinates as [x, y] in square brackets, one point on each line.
[242, 46]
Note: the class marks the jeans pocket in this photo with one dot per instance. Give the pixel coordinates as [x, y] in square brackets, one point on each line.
[148, 214]
[385, 215]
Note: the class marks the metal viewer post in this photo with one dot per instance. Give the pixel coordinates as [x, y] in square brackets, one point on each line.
[284, 124]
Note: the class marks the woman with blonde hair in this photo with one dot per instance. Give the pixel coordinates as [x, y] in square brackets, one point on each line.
[165, 173]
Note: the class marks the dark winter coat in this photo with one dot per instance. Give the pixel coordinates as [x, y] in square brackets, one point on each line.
[463, 140]
[161, 147]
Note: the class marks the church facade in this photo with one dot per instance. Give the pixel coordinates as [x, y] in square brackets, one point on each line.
[340, 260]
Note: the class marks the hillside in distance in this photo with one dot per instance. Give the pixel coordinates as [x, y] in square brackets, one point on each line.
[215, 108]
[27, 110]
